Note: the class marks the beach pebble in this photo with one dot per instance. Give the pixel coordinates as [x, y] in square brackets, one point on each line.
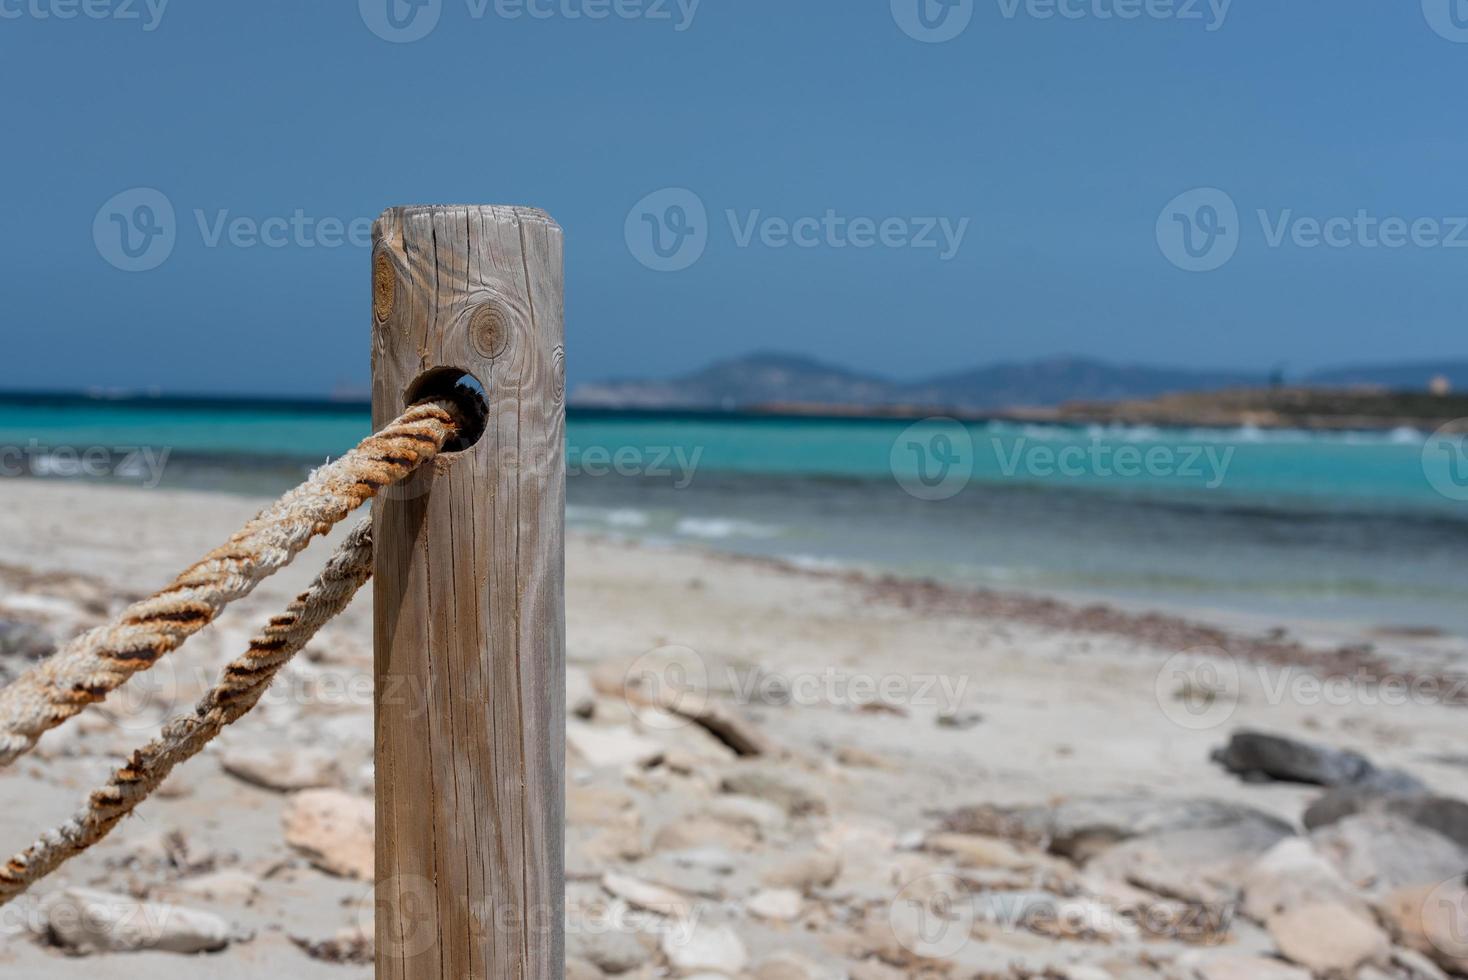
[803, 872]
[1082, 827]
[25, 641]
[760, 816]
[705, 947]
[714, 859]
[689, 833]
[611, 747]
[646, 895]
[788, 965]
[1329, 937]
[579, 969]
[776, 904]
[231, 885]
[280, 768]
[1238, 966]
[611, 951]
[580, 695]
[597, 806]
[777, 784]
[976, 851]
[1433, 921]
[1291, 874]
[1198, 864]
[1380, 852]
[83, 921]
[333, 830]
[960, 721]
[1441, 814]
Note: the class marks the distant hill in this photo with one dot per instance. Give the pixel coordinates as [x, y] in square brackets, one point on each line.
[770, 378]
[758, 379]
[1056, 380]
[792, 381]
[1396, 377]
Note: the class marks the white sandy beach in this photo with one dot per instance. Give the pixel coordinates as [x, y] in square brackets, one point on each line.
[802, 853]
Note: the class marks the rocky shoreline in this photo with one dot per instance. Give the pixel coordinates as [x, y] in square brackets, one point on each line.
[779, 775]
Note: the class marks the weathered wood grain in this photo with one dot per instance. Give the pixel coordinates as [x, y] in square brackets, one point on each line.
[469, 604]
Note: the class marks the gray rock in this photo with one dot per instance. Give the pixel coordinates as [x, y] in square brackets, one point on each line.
[776, 784]
[20, 645]
[84, 921]
[611, 950]
[1204, 865]
[1082, 828]
[1442, 814]
[1259, 757]
[281, 768]
[1329, 938]
[1380, 852]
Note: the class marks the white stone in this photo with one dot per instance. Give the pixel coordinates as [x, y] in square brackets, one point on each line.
[706, 947]
[85, 921]
[778, 904]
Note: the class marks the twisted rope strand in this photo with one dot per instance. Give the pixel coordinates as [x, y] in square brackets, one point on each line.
[240, 688]
[98, 662]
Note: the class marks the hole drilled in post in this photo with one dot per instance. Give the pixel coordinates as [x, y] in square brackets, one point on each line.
[467, 394]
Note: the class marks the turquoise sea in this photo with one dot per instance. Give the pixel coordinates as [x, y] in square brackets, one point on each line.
[1353, 526]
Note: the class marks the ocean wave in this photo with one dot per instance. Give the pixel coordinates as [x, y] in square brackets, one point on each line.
[714, 528]
[1241, 434]
[610, 516]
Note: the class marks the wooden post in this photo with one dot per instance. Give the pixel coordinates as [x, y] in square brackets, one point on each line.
[469, 619]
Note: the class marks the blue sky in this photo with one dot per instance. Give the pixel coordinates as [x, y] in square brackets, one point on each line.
[819, 150]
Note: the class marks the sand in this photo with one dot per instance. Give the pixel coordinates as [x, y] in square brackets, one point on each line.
[989, 702]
